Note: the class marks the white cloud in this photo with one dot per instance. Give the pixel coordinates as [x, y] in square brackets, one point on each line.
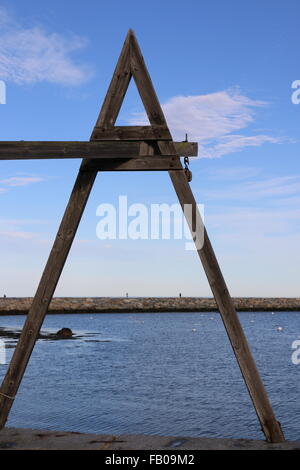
[24, 230]
[17, 222]
[21, 180]
[263, 189]
[290, 201]
[29, 55]
[235, 143]
[21, 235]
[252, 219]
[210, 116]
[281, 185]
[212, 120]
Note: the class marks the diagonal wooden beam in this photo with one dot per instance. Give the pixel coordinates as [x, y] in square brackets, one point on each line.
[117, 89]
[237, 338]
[144, 84]
[62, 243]
[45, 291]
[254, 384]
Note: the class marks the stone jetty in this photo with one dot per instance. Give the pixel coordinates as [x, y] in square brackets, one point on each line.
[21, 305]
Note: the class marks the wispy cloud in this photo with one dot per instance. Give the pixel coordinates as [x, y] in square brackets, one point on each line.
[21, 222]
[21, 180]
[213, 121]
[267, 189]
[252, 219]
[24, 230]
[18, 235]
[252, 213]
[29, 55]
[235, 143]
[279, 186]
[233, 173]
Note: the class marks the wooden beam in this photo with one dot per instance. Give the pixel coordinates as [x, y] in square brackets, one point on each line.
[25, 150]
[150, 163]
[233, 327]
[45, 291]
[125, 69]
[144, 84]
[258, 394]
[117, 89]
[132, 133]
[62, 244]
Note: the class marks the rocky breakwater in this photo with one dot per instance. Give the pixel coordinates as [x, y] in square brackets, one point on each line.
[17, 305]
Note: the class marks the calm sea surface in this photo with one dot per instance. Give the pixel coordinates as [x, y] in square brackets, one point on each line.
[160, 374]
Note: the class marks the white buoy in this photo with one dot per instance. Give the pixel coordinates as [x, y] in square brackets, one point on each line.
[280, 328]
[194, 329]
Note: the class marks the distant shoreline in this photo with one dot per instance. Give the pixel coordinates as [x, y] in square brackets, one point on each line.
[63, 305]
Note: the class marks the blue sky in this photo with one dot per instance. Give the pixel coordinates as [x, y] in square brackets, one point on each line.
[223, 73]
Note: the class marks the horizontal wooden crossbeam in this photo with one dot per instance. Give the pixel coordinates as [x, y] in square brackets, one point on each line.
[132, 133]
[150, 163]
[25, 150]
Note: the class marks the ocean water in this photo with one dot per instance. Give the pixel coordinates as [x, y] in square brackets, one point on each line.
[156, 373]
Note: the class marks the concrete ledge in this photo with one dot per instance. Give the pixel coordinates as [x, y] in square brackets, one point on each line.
[32, 439]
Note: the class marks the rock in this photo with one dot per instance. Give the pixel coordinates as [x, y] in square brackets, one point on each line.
[64, 333]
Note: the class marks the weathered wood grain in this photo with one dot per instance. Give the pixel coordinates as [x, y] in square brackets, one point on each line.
[144, 84]
[31, 150]
[149, 163]
[117, 89]
[132, 133]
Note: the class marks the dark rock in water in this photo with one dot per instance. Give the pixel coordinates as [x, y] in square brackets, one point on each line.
[64, 333]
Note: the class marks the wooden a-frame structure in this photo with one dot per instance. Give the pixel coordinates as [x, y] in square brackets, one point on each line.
[121, 148]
